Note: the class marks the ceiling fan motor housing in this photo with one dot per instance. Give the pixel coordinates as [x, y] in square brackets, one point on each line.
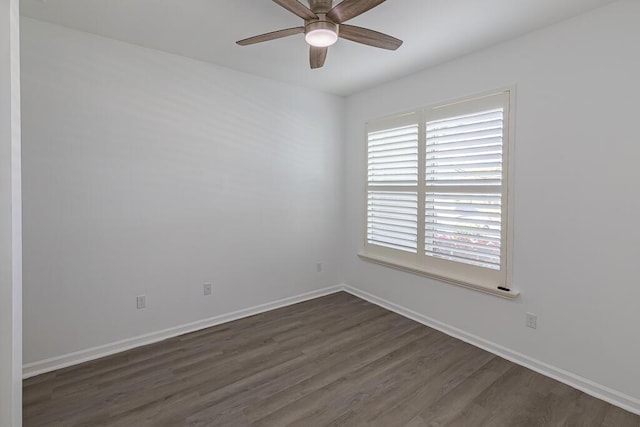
[321, 24]
[320, 8]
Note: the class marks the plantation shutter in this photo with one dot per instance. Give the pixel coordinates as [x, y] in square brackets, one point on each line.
[437, 191]
[464, 154]
[392, 186]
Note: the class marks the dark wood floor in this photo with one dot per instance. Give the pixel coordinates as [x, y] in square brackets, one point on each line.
[336, 360]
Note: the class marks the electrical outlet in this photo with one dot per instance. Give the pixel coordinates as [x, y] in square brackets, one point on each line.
[319, 267]
[207, 288]
[532, 321]
[141, 301]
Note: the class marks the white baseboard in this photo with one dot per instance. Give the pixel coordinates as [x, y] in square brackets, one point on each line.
[592, 388]
[59, 362]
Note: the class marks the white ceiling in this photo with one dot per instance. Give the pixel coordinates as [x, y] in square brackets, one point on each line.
[433, 31]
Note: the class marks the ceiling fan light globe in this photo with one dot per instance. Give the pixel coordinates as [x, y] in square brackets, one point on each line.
[321, 37]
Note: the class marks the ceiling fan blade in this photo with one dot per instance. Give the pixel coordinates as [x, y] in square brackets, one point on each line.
[349, 9]
[297, 8]
[317, 56]
[369, 37]
[271, 36]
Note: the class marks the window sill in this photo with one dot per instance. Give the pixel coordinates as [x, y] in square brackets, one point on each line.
[399, 265]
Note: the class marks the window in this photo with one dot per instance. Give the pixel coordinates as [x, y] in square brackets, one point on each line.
[438, 193]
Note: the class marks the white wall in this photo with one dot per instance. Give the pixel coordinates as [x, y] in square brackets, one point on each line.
[576, 203]
[10, 219]
[148, 173]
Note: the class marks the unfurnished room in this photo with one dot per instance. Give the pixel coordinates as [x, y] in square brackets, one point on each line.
[319, 213]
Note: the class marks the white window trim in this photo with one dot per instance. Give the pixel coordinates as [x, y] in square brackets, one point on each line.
[389, 258]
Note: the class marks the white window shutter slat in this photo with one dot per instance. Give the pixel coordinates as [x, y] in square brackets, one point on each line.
[392, 220]
[392, 216]
[393, 156]
[463, 228]
[464, 151]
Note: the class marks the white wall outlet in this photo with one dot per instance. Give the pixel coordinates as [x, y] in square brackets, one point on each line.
[141, 301]
[532, 321]
[319, 267]
[207, 288]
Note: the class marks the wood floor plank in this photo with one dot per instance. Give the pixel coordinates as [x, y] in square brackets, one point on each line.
[380, 394]
[428, 387]
[308, 396]
[448, 407]
[313, 365]
[335, 360]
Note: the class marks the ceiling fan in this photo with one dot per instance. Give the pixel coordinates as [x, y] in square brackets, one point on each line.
[324, 23]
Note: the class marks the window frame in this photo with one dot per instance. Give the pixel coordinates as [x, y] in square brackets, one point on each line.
[469, 276]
